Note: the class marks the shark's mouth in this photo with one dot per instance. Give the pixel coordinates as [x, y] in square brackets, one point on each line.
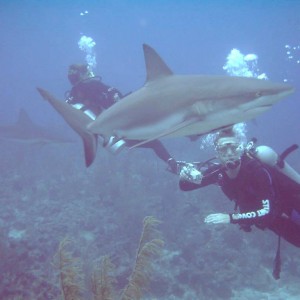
[259, 109]
[266, 105]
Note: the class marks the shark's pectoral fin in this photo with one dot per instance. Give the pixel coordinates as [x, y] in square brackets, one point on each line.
[168, 132]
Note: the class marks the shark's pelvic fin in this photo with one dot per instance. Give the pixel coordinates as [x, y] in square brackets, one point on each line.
[155, 66]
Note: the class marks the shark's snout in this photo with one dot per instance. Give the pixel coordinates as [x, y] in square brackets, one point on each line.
[278, 88]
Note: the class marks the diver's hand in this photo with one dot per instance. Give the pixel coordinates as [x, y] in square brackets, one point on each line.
[191, 174]
[217, 219]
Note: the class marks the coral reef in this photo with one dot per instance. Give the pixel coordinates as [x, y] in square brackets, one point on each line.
[72, 278]
[102, 208]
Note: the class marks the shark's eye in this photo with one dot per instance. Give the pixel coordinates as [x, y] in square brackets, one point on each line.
[258, 94]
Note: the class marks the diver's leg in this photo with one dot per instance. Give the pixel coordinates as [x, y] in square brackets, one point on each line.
[287, 229]
[160, 151]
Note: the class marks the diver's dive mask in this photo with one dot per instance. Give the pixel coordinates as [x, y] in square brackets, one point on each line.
[229, 152]
[74, 76]
[78, 72]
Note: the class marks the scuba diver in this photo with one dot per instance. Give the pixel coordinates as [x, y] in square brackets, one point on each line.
[264, 188]
[90, 95]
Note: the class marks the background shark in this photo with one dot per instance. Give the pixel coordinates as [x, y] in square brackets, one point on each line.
[25, 131]
[171, 105]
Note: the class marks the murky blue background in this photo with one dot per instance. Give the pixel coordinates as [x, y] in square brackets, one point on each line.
[47, 193]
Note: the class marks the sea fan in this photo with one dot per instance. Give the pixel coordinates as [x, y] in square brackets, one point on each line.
[150, 246]
[71, 276]
[102, 280]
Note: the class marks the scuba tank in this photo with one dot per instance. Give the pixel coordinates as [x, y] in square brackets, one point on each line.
[269, 157]
[85, 110]
[277, 162]
[113, 145]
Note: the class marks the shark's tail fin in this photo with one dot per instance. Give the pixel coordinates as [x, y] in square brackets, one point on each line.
[78, 121]
[90, 142]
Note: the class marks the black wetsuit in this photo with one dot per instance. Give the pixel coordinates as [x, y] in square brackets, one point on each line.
[260, 198]
[97, 96]
[94, 95]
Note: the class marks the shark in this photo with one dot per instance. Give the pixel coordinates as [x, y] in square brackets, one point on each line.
[171, 105]
[26, 132]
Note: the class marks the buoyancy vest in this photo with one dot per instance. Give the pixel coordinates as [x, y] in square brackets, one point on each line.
[287, 178]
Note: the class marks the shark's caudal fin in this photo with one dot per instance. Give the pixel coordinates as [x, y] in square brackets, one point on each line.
[78, 121]
[155, 66]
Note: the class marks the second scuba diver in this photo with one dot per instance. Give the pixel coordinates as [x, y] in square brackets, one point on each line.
[264, 188]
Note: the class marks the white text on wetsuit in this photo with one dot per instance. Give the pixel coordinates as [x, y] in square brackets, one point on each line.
[253, 214]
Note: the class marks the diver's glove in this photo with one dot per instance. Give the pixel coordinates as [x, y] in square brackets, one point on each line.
[190, 173]
[172, 165]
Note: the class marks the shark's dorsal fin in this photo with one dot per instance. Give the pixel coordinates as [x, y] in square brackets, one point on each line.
[24, 120]
[155, 66]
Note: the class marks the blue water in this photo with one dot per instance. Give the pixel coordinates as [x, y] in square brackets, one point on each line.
[46, 193]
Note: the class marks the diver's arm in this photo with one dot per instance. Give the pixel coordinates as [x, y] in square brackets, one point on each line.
[114, 94]
[185, 185]
[102, 90]
[262, 184]
[70, 96]
[250, 217]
